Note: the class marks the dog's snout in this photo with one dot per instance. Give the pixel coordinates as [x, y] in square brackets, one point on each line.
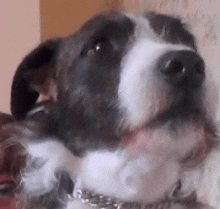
[184, 69]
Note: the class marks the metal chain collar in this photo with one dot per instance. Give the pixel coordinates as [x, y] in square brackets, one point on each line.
[104, 202]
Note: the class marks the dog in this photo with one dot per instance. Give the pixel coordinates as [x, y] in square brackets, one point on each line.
[131, 121]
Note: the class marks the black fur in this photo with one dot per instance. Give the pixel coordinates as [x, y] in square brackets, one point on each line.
[171, 29]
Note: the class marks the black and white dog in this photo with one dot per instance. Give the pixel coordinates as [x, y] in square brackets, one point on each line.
[133, 124]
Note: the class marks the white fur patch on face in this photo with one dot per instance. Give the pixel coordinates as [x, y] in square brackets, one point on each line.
[45, 159]
[142, 93]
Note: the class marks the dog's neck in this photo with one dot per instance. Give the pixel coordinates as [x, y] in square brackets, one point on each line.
[104, 202]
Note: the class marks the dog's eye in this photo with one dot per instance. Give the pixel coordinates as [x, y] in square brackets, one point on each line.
[7, 189]
[101, 47]
[98, 46]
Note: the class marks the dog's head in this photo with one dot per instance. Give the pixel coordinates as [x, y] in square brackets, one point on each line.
[130, 83]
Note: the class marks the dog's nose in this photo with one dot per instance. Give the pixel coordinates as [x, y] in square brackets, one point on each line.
[184, 69]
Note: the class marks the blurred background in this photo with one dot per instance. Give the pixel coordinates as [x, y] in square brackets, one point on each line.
[25, 23]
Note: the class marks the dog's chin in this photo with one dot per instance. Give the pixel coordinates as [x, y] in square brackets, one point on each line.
[149, 156]
[174, 139]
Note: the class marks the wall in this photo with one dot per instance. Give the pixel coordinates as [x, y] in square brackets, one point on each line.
[61, 18]
[20, 31]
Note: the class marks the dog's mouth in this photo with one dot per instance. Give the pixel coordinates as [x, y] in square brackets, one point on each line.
[186, 106]
[181, 122]
[186, 111]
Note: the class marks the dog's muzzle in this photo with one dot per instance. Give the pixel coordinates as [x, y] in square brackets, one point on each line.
[183, 69]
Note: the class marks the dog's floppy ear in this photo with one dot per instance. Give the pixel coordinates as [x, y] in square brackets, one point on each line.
[35, 75]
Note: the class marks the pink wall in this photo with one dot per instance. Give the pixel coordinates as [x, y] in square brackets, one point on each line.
[20, 32]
